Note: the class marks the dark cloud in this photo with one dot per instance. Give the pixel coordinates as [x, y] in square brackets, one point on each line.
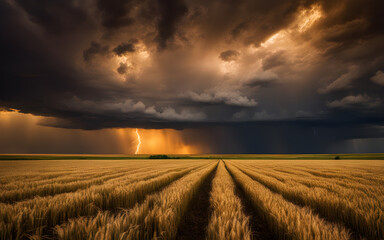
[277, 138]
[123, 68]
[235, 64]
[95, 49]
[378, 78]
[348, 24]
[227, 98]
[171, 12]
[229, 55]
[274, 60]
[360, 18]
[55, 16]
[115, 13]
[125, 47]
[255, 21]
[353, 102]
[262, 82]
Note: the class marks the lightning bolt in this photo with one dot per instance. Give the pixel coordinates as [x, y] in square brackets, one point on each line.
[139, 141]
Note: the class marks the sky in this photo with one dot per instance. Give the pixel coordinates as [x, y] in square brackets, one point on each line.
[213, 76]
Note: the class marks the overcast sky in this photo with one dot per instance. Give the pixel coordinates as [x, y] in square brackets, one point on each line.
[246, 76]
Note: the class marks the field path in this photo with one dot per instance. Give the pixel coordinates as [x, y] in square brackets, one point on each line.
[194, 224]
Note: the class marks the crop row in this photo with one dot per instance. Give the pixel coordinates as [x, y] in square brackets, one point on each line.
[66, 178]
[27, 192]
[364, 215]
[360, 184]
[48, 170]
[30, 216]
[10, 196]
[228, 220]
[149, 201]
[157, 217]
[285, 219]
[345, 189]
[65, 175]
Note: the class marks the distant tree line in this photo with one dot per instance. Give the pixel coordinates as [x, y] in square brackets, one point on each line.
[162, 156]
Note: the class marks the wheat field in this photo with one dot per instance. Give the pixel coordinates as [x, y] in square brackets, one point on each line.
[154, 199]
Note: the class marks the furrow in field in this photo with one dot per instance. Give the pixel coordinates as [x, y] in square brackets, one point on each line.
[359, 177]
[195, 221]
[227, 220]
[66, 177]
[18, 219]
[332, 184]
[157, 217]
[138, 174]
[341, 188]
[363, 216]
[260, 229]
[363, 172]
[108, 185]
[348, 174]
[37, 174]
[78, 176]
[326, 173]
[52, 189]
[33, 176]
[343, 180]
[285, 219]
[49, 189]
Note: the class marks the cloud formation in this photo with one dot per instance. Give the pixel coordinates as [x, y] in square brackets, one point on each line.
[180, 63]
[93, 50]
[228, 98]
[343, 82]
[124, 48]
[353, 102]
[229, 55]
[378, 78]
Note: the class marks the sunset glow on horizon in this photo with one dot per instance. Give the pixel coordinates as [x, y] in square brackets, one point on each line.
[19, 130]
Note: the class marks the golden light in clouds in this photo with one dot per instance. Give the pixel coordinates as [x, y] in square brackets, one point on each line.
[308, 17]
[134, 62]
[21, 133]
[305, 19]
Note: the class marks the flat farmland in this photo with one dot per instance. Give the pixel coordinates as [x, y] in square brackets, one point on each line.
[192, 199]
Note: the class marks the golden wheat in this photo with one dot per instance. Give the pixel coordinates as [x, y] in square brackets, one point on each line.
[157, 217]
[286, 220]
[345, 189]
[147, 199]
[49, 211]
[364, 215]
[228, 220]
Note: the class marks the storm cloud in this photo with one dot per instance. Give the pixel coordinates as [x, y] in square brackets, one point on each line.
[275, 67]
